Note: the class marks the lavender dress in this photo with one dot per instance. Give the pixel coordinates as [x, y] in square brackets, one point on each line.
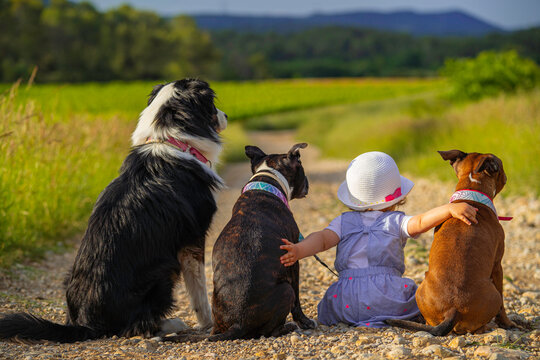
[370, 262]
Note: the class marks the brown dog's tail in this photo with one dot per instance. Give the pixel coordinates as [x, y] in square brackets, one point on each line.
[450, 320]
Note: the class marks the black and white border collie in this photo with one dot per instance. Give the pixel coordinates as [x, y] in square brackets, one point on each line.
[148, 226]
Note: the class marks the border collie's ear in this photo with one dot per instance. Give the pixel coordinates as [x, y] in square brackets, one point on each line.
[452, 155]
[295, 150]
[254, 153]
[154, 92]
[488, 164]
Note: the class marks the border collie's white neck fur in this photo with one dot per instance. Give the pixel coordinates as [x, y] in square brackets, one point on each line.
[145, 128]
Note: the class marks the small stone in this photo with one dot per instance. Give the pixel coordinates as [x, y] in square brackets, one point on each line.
[437, 350]
[457, 342]
[425, 340]
[400, 340]
[507, 354]
[497, 356]
[295, 339]
[535, 335]
[498, 335]
[423, 334]
[533, 295]
[492, 338]
[362, 340]
[290, 357]
[398, 351]
[484, 351]
[280, 356]
[148, 345]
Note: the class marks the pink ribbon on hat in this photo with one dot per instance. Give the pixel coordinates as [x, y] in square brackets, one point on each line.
[393, 196]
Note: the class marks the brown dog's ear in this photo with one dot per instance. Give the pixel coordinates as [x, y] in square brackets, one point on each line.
[452, 155]
[295, 150]
[254, 153]
[489, 165]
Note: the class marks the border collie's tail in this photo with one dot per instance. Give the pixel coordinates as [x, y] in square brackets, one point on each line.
[450, 320]
[24, 326]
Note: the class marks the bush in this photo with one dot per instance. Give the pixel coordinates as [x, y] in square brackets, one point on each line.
[489, 74]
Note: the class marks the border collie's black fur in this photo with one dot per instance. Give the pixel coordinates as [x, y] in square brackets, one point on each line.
[147, 227]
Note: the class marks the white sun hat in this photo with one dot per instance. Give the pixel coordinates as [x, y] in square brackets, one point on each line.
[373, 182]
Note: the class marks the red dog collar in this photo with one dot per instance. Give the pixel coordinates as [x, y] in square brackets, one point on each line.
[183, 147]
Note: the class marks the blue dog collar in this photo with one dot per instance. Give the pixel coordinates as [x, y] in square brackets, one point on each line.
[262, 186]
[479, 197]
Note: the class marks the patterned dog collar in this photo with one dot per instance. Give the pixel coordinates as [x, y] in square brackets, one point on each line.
[262, 186]
[479, 197]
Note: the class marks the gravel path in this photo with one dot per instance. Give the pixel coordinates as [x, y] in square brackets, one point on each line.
[37, 287]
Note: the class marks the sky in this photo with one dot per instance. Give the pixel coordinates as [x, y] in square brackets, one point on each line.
[508, 14]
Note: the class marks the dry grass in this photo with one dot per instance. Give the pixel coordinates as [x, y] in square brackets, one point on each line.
[51, 173]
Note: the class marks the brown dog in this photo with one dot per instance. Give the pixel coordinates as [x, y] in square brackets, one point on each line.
[462, 289]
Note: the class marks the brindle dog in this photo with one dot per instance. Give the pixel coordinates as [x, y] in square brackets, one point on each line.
[253, 291]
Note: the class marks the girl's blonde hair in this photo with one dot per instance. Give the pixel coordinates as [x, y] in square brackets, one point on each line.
[395, 206]
[392, 207]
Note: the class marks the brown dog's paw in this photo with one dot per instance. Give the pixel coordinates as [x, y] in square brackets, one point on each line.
[506, 323]
[517, 322]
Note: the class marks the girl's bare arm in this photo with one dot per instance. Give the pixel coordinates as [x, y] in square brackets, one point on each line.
[311, 245]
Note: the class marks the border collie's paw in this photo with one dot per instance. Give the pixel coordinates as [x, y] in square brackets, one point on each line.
[170, 326]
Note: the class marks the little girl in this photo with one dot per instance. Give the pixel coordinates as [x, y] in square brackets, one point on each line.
[370, 242]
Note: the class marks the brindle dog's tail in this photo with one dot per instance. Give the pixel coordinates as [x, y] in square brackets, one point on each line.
[450, 320]
[25, 327]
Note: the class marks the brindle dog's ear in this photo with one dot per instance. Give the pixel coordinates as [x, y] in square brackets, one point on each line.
[254, 153]
[489, 165]
[452, 155]
[295, 150]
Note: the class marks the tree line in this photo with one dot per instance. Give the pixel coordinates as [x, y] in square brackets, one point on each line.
[347, 51]
[74, 42]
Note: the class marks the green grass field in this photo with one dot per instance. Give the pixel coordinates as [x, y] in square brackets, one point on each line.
[240, 100]
[60, 145]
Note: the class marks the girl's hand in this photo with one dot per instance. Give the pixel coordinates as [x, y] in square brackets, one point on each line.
[463, 212]
[292, 253]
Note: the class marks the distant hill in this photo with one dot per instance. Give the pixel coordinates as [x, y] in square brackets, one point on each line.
[451, 23]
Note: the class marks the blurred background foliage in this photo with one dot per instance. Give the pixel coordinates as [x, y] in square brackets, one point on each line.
[75, 42]
[489, 74]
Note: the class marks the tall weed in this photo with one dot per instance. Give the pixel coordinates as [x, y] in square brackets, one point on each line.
[51, 172]
[507, 126]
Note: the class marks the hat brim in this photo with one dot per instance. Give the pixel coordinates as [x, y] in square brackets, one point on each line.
[345, 197]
